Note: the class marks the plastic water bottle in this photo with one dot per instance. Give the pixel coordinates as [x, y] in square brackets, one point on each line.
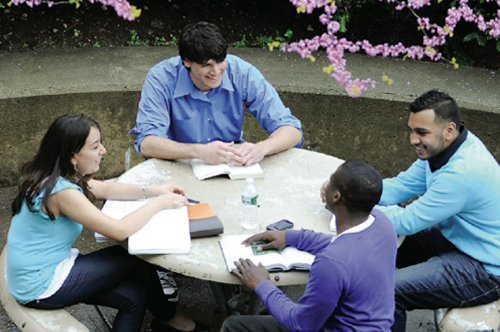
[249, 215]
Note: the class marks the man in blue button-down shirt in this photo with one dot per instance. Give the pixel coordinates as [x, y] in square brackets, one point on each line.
[192, 105]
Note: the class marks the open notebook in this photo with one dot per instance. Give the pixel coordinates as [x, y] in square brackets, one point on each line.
[285, 259]
[204, 171]
[167, 232]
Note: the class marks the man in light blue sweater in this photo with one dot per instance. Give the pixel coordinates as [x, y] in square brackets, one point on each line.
[351, 282]
[451, 254]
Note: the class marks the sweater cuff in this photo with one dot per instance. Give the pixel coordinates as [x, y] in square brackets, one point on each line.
[292, 237]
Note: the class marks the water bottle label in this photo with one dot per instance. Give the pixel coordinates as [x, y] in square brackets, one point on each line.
[249, 200]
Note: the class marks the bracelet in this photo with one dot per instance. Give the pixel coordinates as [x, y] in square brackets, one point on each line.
[143, 191]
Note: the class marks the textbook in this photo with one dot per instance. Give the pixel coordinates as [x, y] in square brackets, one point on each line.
[203, 221]
[288, 258]
[167, 232]
[204, 171]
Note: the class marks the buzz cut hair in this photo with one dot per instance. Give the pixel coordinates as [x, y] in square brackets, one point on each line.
[359, 184]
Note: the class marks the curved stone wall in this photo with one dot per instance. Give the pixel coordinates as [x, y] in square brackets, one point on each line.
[105, 84]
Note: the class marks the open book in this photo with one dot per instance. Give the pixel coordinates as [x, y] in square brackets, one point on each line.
[167, 232]
[204, 171]
[285, 259]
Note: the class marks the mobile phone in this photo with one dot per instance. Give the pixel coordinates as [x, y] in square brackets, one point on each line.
[258, 243]
[280, 225]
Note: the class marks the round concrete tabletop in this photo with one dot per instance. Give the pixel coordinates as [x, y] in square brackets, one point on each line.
[289, 190]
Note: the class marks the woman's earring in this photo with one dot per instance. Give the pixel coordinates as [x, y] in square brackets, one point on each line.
[76, 169]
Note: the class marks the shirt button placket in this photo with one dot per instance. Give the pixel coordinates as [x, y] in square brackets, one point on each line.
[210, 123]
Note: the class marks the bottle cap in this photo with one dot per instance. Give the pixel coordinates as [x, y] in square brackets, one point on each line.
[249, 180]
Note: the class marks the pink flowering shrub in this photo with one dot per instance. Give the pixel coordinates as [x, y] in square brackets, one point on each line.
[122, 7]
[434, 36]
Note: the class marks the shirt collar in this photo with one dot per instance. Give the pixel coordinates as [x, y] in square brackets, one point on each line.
[358, 228]
[442, 158]
[186, 87]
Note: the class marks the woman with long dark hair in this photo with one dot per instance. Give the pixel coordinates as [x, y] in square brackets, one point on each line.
[54, 202]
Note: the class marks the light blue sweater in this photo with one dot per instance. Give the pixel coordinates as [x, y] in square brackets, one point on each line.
[462, 198]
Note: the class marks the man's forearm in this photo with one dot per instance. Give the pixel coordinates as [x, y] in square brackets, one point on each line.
[164, 148]
[281, 139]
[216, 152]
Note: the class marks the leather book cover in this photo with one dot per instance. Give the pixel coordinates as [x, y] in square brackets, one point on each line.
[203, 221]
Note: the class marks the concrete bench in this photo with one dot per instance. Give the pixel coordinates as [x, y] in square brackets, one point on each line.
[482, 317]
[34, 320]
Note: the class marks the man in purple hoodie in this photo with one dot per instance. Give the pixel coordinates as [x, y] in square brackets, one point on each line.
[351, 282]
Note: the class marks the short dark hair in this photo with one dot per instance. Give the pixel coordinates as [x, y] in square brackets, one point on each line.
[444, 106]
[359, 184]
[201, 42]
[65, 137]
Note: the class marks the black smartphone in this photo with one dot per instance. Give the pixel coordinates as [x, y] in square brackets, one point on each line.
[280, 225]
[258, 243]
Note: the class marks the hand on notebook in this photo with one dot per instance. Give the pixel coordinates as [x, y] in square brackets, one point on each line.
[219, 153]
[170, 188]
[275, 239]
[172, 200]
[249, 273]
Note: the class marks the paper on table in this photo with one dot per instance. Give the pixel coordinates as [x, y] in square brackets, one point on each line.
[167, 232]
[114, 209]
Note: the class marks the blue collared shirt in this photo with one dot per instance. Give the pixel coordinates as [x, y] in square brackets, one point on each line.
[172, 107]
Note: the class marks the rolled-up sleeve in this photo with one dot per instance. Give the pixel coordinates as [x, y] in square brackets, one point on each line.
[264, 103]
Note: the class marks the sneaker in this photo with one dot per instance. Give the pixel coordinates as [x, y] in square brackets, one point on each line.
[169, 285]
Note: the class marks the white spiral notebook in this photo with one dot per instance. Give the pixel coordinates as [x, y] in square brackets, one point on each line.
[167, 232]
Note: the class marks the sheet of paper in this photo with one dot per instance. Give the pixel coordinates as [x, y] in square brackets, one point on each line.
[167, 232]
[114, 209]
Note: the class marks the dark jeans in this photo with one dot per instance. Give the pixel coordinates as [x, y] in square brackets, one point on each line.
[252, 324]
[114, 278]
[432, 273]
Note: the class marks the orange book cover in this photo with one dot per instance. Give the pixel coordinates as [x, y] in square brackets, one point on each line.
[200, 211]
[203, 221]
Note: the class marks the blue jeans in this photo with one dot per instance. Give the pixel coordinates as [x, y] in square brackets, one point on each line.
[114, 278]
[432, 273]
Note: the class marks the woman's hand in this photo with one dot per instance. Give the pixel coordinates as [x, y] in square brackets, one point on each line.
[172, 200]
[164, 189]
